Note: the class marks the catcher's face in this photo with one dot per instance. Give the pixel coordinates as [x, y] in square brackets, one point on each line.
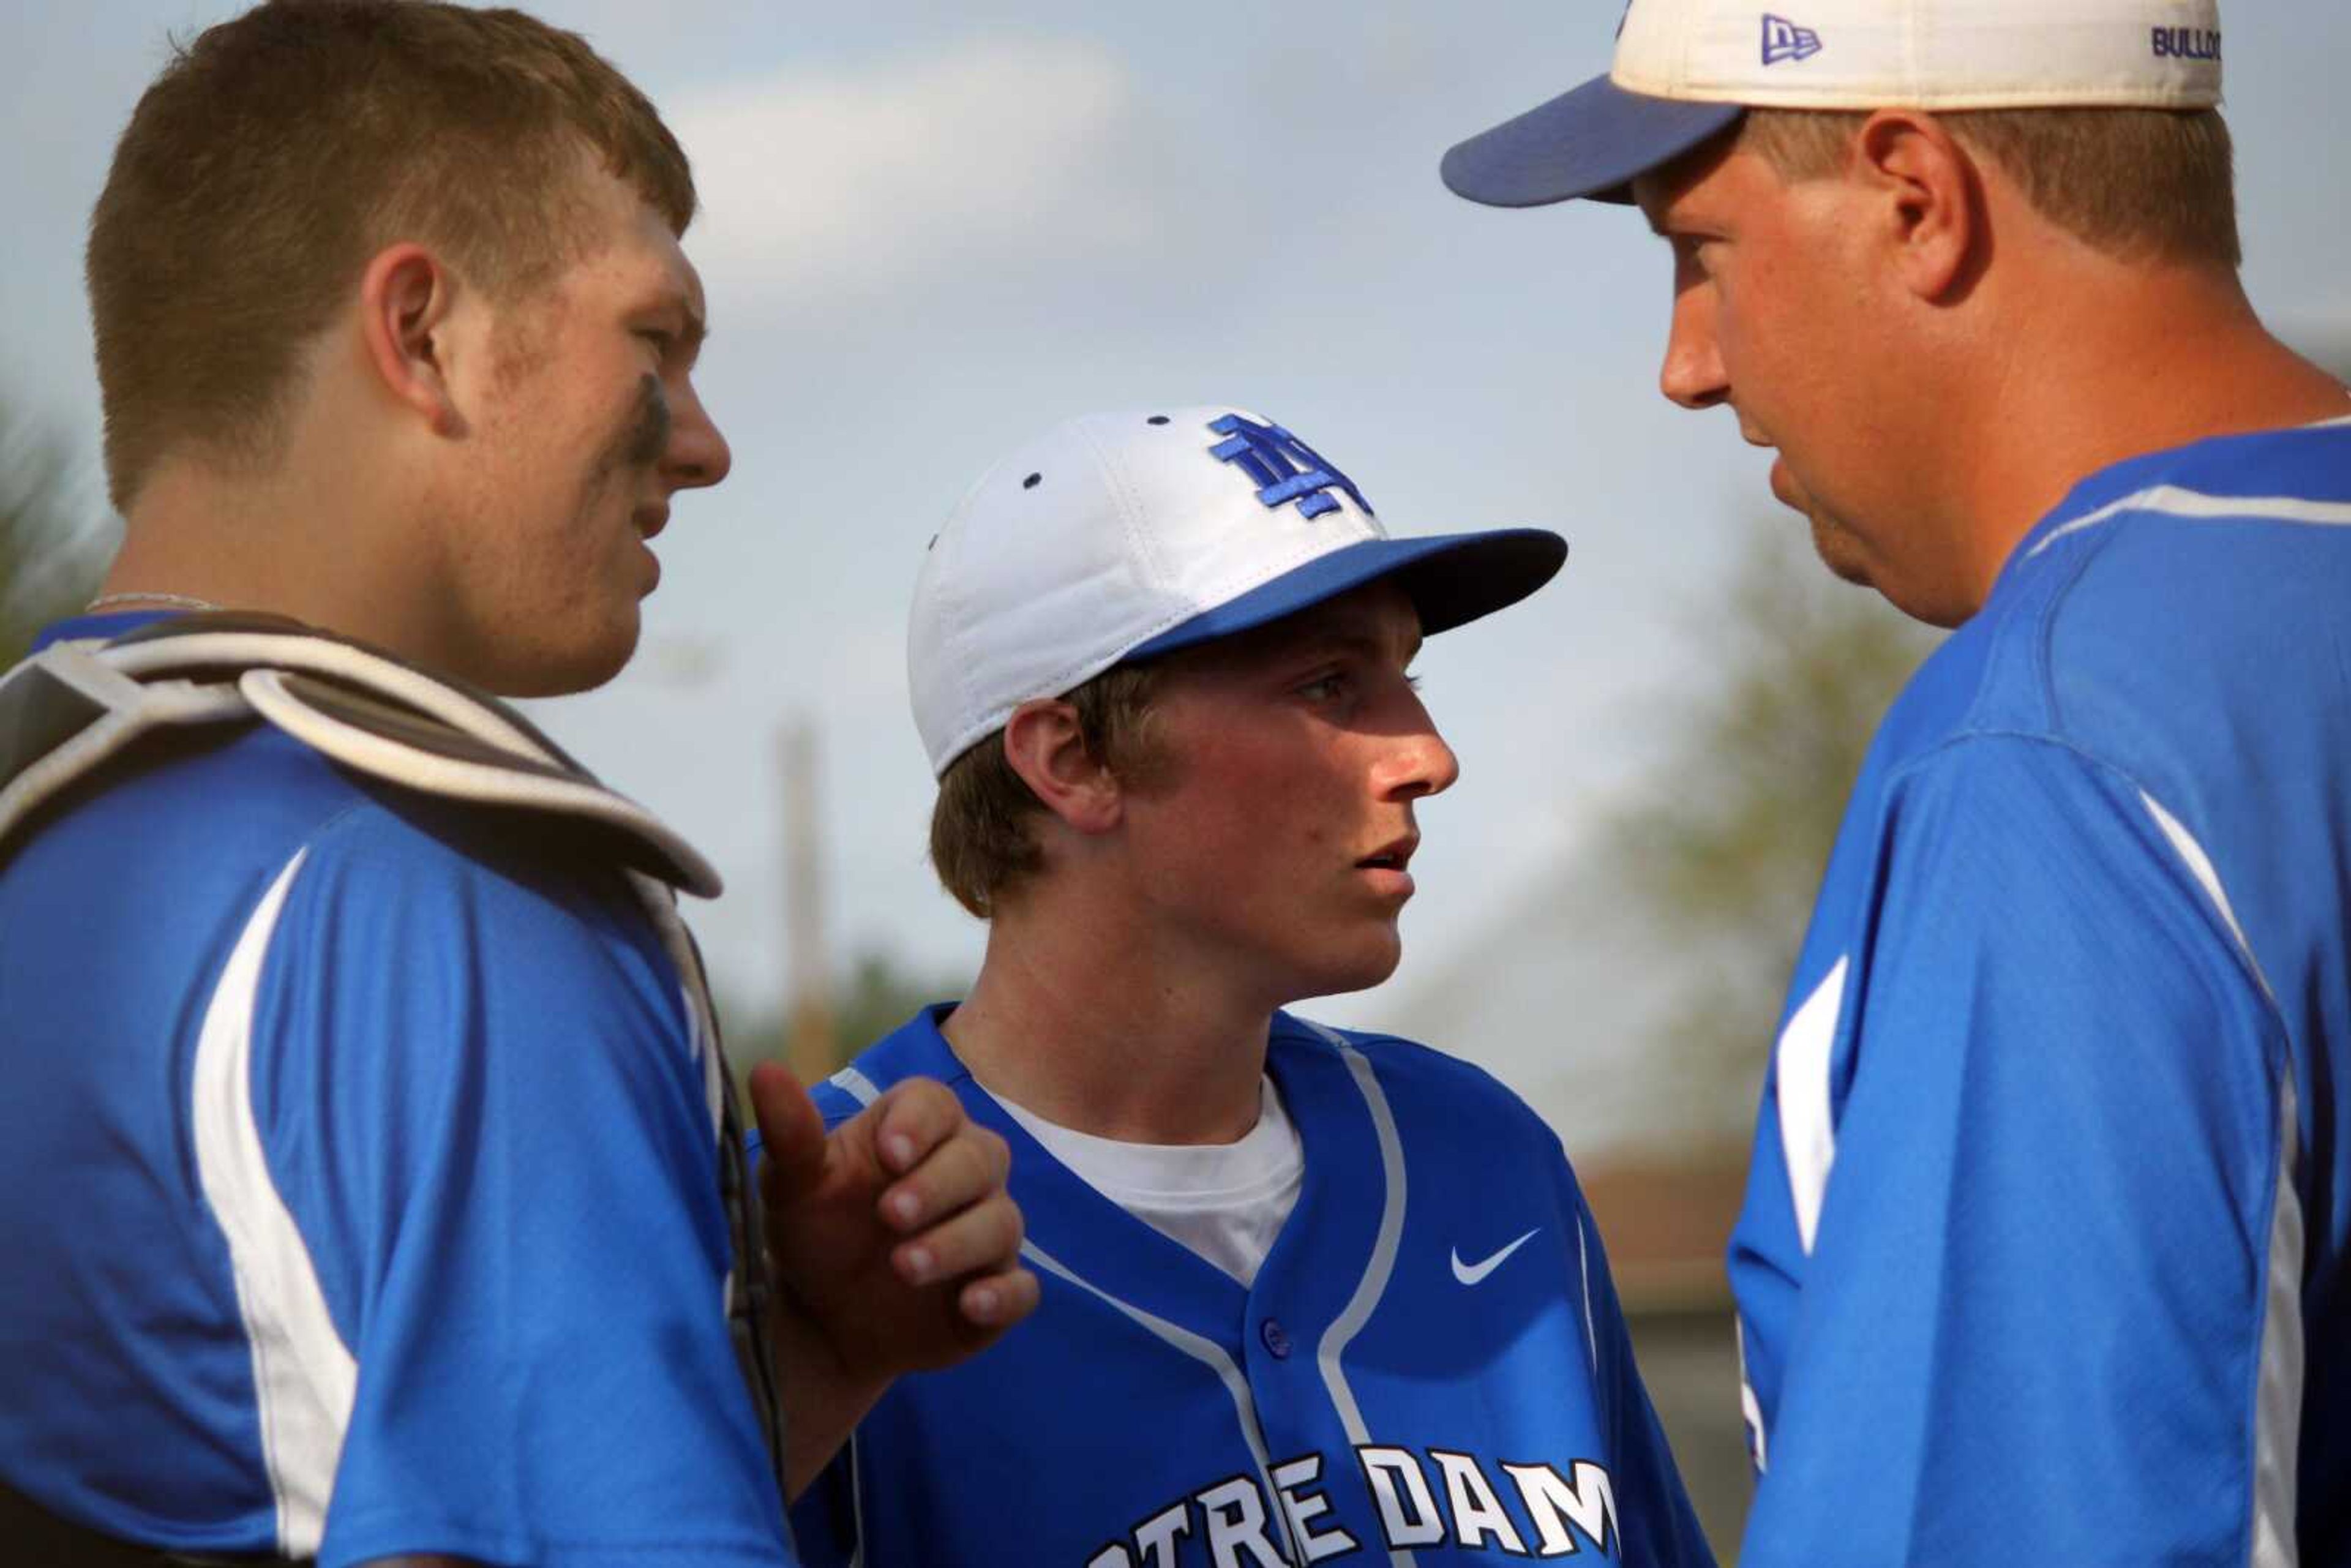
[587, 425]
[1273, 850]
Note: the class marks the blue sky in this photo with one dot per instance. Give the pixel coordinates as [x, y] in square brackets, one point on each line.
[929, 233]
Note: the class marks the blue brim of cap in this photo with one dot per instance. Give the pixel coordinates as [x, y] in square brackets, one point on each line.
[1591, 141]
[1450, 578]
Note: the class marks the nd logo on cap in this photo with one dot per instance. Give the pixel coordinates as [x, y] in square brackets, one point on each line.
[1285, 468]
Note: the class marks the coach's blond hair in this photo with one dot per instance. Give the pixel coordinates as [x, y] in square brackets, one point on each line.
[2149, 184]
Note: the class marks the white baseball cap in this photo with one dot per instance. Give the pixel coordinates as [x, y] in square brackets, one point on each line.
[1122, 535]
[1685, 69]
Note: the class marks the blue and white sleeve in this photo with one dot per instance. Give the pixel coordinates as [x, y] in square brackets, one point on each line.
[475, 1085]
[2031, 1325]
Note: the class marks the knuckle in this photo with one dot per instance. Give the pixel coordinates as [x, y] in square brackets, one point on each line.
[922, 1103]
[997, 1152]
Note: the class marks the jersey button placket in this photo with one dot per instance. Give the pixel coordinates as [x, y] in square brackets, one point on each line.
[1276, 1338]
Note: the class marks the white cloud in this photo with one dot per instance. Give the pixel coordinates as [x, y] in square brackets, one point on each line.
[821, 188]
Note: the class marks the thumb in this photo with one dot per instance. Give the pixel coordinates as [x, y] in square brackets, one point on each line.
[791, 1134]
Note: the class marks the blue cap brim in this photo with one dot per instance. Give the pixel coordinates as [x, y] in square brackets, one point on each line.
[1590, 142]
[1450, 578]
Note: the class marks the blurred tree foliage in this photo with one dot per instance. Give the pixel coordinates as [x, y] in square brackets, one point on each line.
[52, 543]
[1723, 847]
[875, 995]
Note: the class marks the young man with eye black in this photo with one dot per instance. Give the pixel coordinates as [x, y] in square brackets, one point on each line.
[369, 1178]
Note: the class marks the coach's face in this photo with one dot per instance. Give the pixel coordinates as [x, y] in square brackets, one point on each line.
[1275, 845]
[1778, 316]
[590, 424]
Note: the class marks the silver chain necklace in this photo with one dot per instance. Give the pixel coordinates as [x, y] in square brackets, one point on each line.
[169, 600]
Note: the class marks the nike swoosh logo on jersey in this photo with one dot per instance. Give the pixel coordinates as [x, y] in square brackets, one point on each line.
[1472, 1273]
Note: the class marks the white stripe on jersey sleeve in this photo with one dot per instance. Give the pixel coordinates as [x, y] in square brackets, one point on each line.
[2277, 1418]
[856, 1085]
[1750, 1408]
[2277, 1445]
[2200, 867]
[2173, 501]
[304, 1376]
[859, 1088]
[1800, 1074]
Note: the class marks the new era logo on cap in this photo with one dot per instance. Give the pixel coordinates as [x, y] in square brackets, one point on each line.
[1784, 41]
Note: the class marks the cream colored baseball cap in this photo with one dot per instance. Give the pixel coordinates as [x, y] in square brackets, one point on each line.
[1685, 69]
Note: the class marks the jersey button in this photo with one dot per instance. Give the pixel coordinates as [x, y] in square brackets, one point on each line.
[1276, 1337]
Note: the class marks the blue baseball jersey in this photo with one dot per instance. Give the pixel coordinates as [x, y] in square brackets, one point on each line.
[358, 1180]
[2042, 1258]
[1431, 1364]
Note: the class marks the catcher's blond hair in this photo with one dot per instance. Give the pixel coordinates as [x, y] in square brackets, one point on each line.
[281, 149]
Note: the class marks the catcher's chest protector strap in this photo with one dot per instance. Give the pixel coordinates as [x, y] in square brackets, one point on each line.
[72, 706]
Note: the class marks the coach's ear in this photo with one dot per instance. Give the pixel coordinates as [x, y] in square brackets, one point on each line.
[407, 310]
[1931, 200]
[1045, 745]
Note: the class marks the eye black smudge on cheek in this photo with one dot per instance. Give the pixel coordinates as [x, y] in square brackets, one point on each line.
[648, 437]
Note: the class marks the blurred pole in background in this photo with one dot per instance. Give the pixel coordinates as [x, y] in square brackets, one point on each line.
[810, 1048]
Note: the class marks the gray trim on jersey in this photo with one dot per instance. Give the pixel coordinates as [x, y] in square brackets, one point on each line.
[1209, 1355]
[856, 1502]
[1343, 1331]
[2277, 1405]
[1584, 1263]
[1382, 1264]
[859, 1088]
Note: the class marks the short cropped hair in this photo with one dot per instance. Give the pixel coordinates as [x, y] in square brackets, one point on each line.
[982, 842]
[2133, 183]
[280, 151]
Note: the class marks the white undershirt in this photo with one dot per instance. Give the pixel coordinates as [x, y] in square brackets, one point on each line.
[1224, 1201]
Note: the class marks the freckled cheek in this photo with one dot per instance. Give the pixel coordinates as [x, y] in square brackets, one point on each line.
[1262, 823]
